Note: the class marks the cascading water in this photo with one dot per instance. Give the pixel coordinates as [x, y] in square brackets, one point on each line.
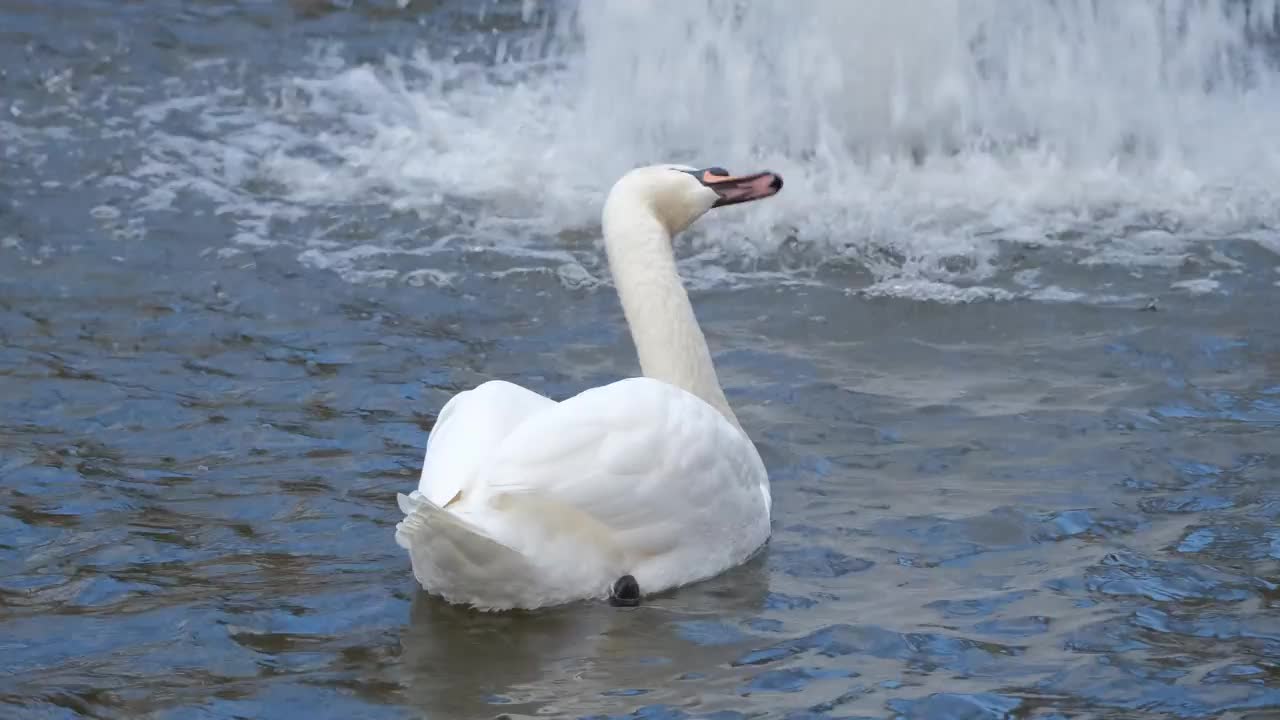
[920, 141]
[923, 127]
[1084, 82]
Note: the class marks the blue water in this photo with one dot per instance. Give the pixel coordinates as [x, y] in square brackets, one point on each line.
[212, 385]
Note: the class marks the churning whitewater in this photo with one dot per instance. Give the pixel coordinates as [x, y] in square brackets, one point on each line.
[929, 144]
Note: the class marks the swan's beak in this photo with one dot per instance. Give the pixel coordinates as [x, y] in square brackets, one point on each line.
[734, 189]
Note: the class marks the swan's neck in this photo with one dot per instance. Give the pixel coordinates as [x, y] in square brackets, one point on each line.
[664, 329]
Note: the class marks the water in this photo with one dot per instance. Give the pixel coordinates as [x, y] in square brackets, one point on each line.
[1004, 342]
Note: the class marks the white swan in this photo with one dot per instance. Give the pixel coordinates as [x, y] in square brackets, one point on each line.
[525, 502]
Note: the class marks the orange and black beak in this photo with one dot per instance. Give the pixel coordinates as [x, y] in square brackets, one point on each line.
[734, 189]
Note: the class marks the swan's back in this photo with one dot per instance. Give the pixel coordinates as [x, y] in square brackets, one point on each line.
[470, 426]
[636, 477]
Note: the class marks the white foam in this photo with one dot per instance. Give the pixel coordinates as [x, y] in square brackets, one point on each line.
[921, 140]
[1053, 293]
[918, 289]
[1150, 248]
[430, 276]
[1197, 286]
[575, 277]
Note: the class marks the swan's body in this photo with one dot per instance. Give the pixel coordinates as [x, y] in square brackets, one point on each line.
[525, 502]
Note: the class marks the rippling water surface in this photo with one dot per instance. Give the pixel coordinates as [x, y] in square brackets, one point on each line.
[1012, 361]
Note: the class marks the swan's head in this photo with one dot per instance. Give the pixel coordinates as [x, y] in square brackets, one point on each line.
[678, 194]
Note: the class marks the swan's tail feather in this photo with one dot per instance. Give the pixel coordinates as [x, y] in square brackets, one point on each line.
[457, 560]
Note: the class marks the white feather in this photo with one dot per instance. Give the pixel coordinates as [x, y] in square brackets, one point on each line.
[466, 432]
[526, 502]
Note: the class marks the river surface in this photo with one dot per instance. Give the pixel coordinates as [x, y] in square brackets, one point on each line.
[1007, 342]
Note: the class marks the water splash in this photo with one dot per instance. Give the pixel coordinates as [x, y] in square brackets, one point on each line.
[937, 129]
[927, 145]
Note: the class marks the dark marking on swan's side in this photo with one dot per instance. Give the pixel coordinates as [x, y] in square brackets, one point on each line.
[625, 592]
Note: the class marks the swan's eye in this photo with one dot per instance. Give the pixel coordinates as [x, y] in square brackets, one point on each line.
[718, 171]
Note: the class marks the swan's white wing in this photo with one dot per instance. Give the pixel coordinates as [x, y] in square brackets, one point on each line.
[470, 426]
[656, 465]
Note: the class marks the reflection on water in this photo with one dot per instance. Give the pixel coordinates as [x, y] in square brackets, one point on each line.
[572, 659]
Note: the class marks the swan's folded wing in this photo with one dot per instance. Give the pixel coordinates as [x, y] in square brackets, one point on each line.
[649, 461]
[468, 429]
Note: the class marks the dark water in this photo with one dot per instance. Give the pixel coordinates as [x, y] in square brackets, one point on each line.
[999, 509]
